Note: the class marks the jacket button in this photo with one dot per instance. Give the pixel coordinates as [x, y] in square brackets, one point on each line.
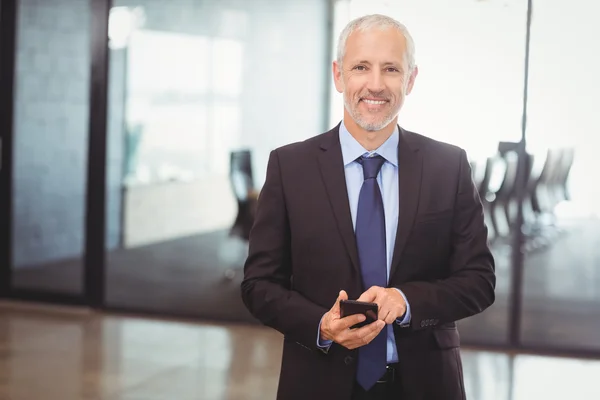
[348, 360]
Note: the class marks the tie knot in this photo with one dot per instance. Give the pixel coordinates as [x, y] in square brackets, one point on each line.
[371, 166]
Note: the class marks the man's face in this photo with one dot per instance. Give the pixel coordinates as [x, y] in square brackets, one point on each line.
[374, 77]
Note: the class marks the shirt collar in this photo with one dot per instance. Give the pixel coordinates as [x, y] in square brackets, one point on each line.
[351, 149]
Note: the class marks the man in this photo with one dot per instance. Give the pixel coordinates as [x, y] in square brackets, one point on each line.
[372, 212]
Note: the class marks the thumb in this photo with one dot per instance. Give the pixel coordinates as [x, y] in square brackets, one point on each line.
[336, 306]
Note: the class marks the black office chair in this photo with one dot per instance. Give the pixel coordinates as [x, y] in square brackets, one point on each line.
[242, 184]
[561, 178]
[503, 213]
[478, 168]
[534, 168]
[544, 201]
[495, 168]
[508, 192]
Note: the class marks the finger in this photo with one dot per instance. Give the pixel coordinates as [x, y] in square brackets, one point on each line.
[384, 310]
[367, 336]
[350, 320]
[335, 309]
[390, 318]
[389, 307]
[342, 328]
[363, 336]
[370, 295]
[376, 327]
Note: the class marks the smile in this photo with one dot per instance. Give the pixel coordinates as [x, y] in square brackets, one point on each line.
[374, 102]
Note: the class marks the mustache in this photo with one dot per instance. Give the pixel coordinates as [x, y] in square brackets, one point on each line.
[383, 95]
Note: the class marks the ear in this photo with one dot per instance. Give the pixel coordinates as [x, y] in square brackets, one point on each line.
[337, 77]
[411, 80]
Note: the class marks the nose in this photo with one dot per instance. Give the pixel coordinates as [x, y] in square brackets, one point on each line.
[376, 83]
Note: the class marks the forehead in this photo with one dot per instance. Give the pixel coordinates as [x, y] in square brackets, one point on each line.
[376, 45]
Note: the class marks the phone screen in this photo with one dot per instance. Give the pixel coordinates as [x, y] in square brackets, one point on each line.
[351, 307]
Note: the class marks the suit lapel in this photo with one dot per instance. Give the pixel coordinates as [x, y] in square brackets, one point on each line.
[410, 166]
[332, 170]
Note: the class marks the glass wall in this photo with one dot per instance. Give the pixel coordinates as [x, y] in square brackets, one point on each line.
[469, 92]
[562, 268]
[50, 144]
[199, 93]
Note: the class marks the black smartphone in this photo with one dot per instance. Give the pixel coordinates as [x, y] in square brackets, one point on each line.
[351, 307]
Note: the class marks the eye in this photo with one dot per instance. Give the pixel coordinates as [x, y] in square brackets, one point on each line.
[360, 68]
[392, 69]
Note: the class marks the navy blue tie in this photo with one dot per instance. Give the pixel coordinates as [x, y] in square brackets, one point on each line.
[370, 240]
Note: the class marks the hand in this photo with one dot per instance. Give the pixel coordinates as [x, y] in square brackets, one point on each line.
[391, 303]
[338, 329]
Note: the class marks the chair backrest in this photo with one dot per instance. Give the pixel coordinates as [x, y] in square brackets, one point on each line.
[495, 170]
[510, 174]
[568, 156]
[552, 164]
[240, 173]
[537, 160]
[478, 168]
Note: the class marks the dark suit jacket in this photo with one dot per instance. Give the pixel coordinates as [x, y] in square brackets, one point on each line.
[303, 252]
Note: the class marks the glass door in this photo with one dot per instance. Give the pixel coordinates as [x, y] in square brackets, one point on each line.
[51, 95]
[188, 144]
[468, 93]
[561, 297]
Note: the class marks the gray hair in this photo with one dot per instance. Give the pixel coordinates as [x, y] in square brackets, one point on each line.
[380, 22]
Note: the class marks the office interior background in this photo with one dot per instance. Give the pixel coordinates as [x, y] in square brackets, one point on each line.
[135, 136]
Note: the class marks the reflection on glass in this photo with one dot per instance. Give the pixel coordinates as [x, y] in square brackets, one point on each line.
[177, 85]
[468, 93]
[227, 61]
[562, 275]
[51, 101]
[488, 375]
[470, 84]
[166, 116]
[192, 86]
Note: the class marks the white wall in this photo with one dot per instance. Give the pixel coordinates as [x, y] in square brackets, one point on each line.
[563, 92]
[471, 59]
[469, 91]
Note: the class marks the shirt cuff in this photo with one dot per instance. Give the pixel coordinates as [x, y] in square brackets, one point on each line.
[324, 345]
[403, 321]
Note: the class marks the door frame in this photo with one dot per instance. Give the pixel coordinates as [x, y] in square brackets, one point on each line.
[7, 70]
[95, 222]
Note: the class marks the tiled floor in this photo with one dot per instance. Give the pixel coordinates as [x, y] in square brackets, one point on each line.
[47, 353]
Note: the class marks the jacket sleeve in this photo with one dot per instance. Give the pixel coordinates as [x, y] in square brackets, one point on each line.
[266, 288]
[469, 287]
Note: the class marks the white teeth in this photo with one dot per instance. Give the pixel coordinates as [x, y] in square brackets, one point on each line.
[374, 101]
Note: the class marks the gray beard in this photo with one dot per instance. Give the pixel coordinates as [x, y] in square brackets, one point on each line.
[367, 126]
